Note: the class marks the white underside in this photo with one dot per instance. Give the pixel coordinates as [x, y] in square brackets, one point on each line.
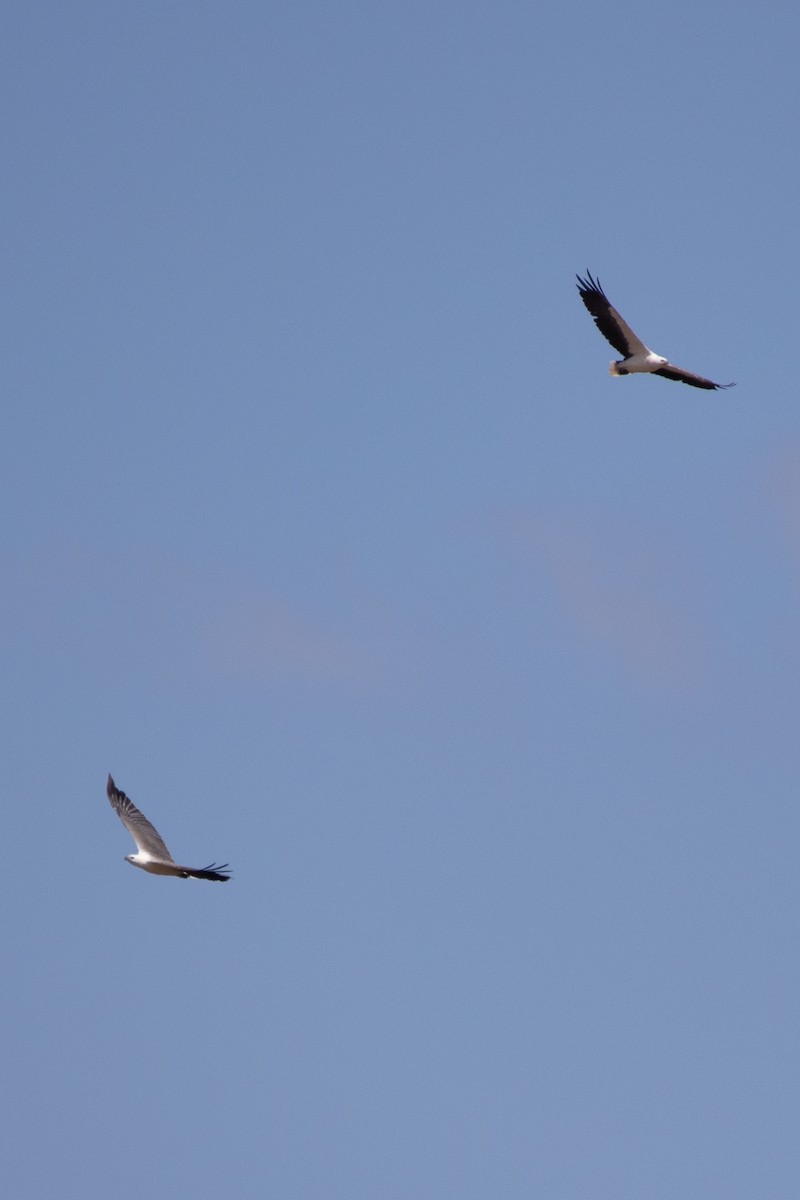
[154, 865]
[638, 363]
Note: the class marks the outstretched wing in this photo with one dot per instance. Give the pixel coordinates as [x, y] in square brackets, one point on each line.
[219, 874]
[607, 319]
[147, 838]
[680, 376]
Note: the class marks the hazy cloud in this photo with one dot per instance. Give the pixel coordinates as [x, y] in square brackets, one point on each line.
[625, 591]
[177, 620]
[782, 486]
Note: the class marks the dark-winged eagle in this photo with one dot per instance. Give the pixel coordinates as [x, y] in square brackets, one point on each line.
[637, 356]
[153, 855]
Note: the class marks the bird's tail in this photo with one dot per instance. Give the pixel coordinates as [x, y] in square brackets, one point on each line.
[615, 368]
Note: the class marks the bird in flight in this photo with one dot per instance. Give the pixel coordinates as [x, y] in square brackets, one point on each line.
[153, 855]
[637, 356]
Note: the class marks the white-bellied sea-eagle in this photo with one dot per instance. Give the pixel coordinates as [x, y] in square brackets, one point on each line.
[637, 356]
[153, 855]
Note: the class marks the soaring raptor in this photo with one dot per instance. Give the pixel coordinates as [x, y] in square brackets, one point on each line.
[153, 855]
[637, 356]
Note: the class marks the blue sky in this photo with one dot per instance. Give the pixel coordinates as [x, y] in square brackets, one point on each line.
[327, 533]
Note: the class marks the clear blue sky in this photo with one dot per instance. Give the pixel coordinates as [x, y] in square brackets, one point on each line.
[326, 532]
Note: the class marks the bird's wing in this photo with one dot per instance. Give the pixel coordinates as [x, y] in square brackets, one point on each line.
[607, 319]
[219, 874]
[680, 376]
[146, 837]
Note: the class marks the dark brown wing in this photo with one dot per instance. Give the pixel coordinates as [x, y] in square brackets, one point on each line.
[680, 376]
[219, 874]
[607, 319]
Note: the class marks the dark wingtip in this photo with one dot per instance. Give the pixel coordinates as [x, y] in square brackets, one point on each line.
[589, 284]
[220, 873]
[110, 786]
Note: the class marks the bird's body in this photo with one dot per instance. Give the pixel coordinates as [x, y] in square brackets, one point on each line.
[152, 854]
[638, 358]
